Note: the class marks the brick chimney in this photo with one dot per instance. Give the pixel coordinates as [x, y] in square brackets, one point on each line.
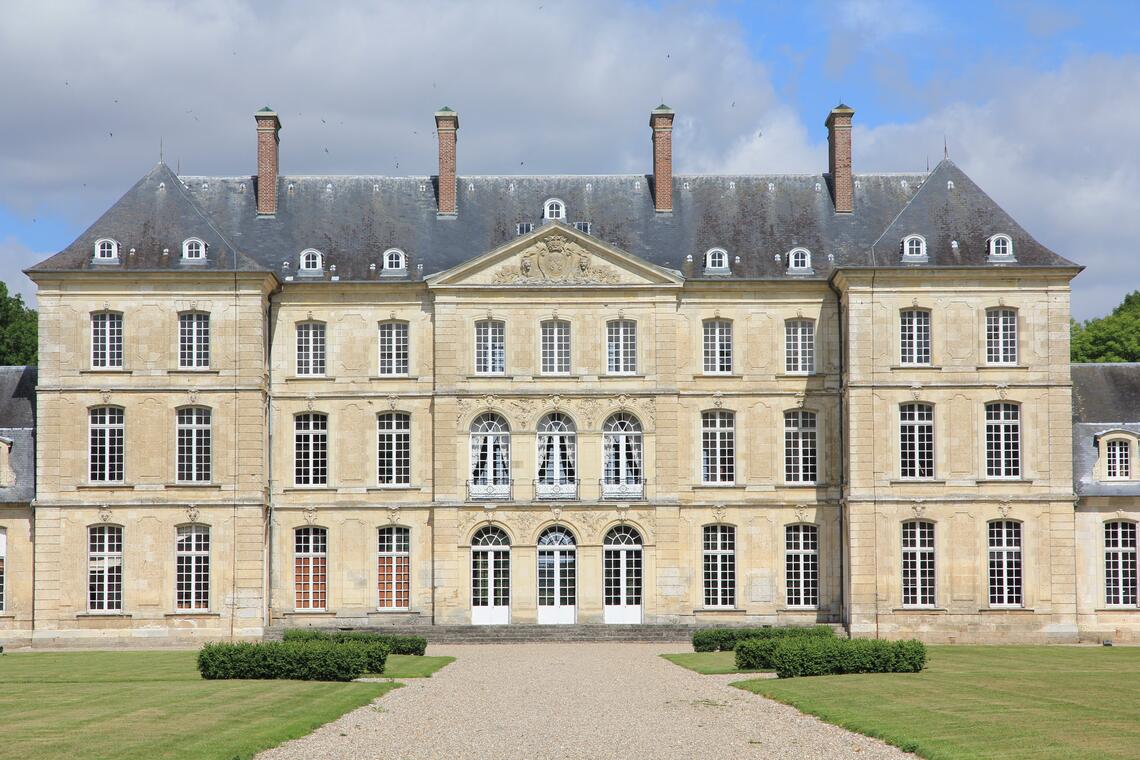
[661, 121]
[446, 125]
[268, 125]
[839, 158]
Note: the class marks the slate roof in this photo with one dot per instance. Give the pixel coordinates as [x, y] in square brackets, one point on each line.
[17, 424]
[1105, 397]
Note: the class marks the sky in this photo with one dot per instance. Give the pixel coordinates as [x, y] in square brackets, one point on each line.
[1037, 101]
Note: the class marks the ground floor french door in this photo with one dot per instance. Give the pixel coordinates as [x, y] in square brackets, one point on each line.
[490, 586]
[622, 575]
[557, 577]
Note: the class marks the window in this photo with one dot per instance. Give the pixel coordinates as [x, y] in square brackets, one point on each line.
[718, 447]
[194, 340]
[1120, 564]
[800, 458]
[1003, 440]
[914, 337]
[555, 347]
[394, 449]
[1005, 563]
[554, 209]
[310, 451]
[395, 262]
[621, 347]
[490, 457]
[310, 568]
[311, 348]
[524, 228]
[393, 568]
[106, 250]
[1118, 460]
[801, 565]
[490, 347]
[799, 347]
[716, 259]
[104, 568]
[582, 227]
[918, 563]
[1001, 336]
[914, 247]
[393, 348]
[718, 346]
[557, 458]
[916, 441]
[719, 565]
[106, 340]
[192, 568]
[1001, 247]
[3, 559]
[799, 259]
[311, 261]
[621, 457]
[106, 451]
[193, 250]
[194, 445]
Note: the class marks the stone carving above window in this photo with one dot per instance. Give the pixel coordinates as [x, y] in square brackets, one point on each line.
[555, 259]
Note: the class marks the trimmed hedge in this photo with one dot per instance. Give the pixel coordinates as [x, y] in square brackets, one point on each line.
[292, 660]
[416, 645]
[756, 654]
[724, 639]
[821, 657]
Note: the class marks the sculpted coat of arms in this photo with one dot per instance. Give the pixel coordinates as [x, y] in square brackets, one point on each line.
[555, 259]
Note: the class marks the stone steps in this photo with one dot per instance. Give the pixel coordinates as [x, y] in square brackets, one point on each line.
[512, 634]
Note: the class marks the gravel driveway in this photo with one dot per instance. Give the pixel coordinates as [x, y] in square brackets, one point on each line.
[553, 700]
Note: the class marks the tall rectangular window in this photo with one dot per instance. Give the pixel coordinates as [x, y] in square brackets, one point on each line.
[719, 563]
[194, 445]
[1005, 563]
[621, 347]
[799, 347]
[3, 560]
[1118, 460]
[106, 340]
[801, 565]
[718, 347]
[918, 563]
[394, 348]
[310, 568]
[393, 568]
[311, 348]
[104, 568]
[914, 337]
[1003, 440]
[800, 454]
[490, 347]
[193, 340]
[311, 450]
[192, 568]
[1001, 336]
[555, 347]
[395, 449]
[718, 447]
[916, 441]
[1120, 564]
[106, 450]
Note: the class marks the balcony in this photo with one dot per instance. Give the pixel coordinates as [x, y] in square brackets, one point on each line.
[557, 489]
[624, 490]
[486, 491]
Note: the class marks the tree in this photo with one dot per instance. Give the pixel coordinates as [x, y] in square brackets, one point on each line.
[18, 331]
[1115, 338]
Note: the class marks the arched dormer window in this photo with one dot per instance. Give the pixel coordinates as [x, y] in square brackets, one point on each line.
[799, 260]
[1001, 247]
[554, 209]
[106, 250]
[716, 260]
[914, 248]
[395, 262]
[193, 249]
[311, 261]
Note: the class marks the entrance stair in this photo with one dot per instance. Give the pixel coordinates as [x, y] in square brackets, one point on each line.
[514, 634]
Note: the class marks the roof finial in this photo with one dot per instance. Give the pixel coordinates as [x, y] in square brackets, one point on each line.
[945, 149]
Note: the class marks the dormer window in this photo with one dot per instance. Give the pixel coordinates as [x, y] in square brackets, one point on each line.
[1117, 459]
[554, 209]
[106, 250]
[311, 261]
[524, 228]
[799, 260]
[193, 250]
[914, 248]
[716, 260]
[395, 262]
[1001, 248]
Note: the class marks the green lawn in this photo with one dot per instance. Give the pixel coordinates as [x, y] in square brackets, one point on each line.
[412, 666]
[1008, 702]
[707, 663]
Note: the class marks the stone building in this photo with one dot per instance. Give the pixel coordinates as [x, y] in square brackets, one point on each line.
[279, 400]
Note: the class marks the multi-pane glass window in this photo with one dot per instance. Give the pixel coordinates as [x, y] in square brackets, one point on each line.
[719, 565]
[1120, 563]
[310, 568]
[1005, 563]
[106, 445]
[555, 347]
[393, 348]
[490, 456]
[914, 337]
[490, 568]
[3, 559]
[718, 346]
[192, 568]
[1118, 460]
[394, 449]
[799, 347]
[194, 340]
[311, 348]
[557, 457]
[557, 568]
[621, 566]
[718, 447]
[621, 456]
[106, 340]
[621, 347]
[490, 347]
[393, 568]
[194, 445]
[800, 455]
[916, 441]
[918, 563]
[104, 568]
[1001, 336]
[1003, 440]
[801, 565]
[311, 450]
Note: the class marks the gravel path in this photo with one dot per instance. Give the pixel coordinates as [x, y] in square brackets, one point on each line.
[553, 700]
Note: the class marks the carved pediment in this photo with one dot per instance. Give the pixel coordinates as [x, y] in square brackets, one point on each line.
[555, 260]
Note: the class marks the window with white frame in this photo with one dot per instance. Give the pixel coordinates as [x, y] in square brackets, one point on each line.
[621, 456]
[555, 348]
[393, 568]
[194, 444]
[490, 347]
[1005, 563]
[800, 454]
[801, 565]
[716, 259]
[311, 261]
[193, 250]
[3, 561]
[106, 340]
[194, 340]
[393, 341]
[1001, 247]
[524, 228]
[557, 456]
[582, 227]
[1120, 563]
[395, 262]
[311, 449]
[718, 347]
[104, 568]
[799, 347]
[1001, 336]
[554, 209]
[106, 250]
[918, 563]
[718, 447]
[192, 568]
[1003, 440]
[719, 565]
[490, 456]
[1118, 459]
[916, 441]
[310, 568]
[799, 259]
[621, 347]
[914, 247]
[311, 348]
[106, 444]
[394, 449]
[914, 336]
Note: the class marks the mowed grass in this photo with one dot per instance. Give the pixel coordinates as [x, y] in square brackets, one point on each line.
[707, 663]
[1003, 702]
[149, 705]
[413, 666]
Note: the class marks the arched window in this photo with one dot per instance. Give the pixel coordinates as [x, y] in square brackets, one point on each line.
[193, 249]
[1120, 563]
[1001, 247]
[622, 575]
[718, 448]
[393, 568]
[716, 260]
[800, 454]
[106, 250]
[105, 568]
[719, 565]
[554, 209]
[717, 347]
[490, 458]
[192, 568]
[801, 565]
[623, 535]
[918, 563]
[490, 576]
[106, 444]
[395, 261]
[489, 535]
[557, 458]
[916, 441]
[311, 449]
[195, 446]
[310, 568]
[1005, 563]
[557, 575]
[1001, 336]
[394, 449]
[1003, 440]
[914, 247]
[311, 260]
[622, 472]
[799, 259]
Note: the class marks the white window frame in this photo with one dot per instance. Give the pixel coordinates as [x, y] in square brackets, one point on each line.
[105, 569]
[311, 450]
[490, 452]
[915, 337]
[621, 347]
[1120, 578]
[554, 209]
[393, 449]
[801, 446]
[1001, 240]
[193, 340]
[716, 260]
[393, 346]
[103, 245]
[556, 457]
[799, 260]
[1006, 563]
[1118, 463]
[311, 551]
[312, 348]
[718, 447]
[799, 347]
[193, 249]
[490, 347]
[717, 346]
[106, 448]
[3, 569]
[916, 441]
[914, 248]
[623, 457]
[1003, 440]
[311, 261]
[192, 568]
[107, 340]
[718, 566]
[395, 261]
[919, 564]
[393, 544]
[554, 347]
[801, 566]
[1001, 336]
[193, 444]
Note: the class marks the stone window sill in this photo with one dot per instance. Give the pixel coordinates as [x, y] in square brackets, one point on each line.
[194, 485]
[720, 486]
[302, 613]
[7, 616]
[1024, 481]
[917, 481]
[106, 371]
[399, 487]
[983, 367]
[394, 377]
[1132, 610]
[803, 485]
[309, 489]
[921, 610]
[727, 611]
[194, 371]
[103, 615]
[189, 614]
[104, 486]
[901, 367]
[1008, 610]
[309, 379]
[403, 612]
[718, 376]
[797, 609]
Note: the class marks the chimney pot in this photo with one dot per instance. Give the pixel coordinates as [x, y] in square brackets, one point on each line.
[268, 125]
[839, 158]
[446, 127]
[661, 121]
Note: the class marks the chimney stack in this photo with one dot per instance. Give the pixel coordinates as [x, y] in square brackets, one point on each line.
[839, 158]
[661, 121]
[446, 125]
[268, 125]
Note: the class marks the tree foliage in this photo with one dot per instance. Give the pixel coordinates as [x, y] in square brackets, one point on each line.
[18, 330]
[1115, 338]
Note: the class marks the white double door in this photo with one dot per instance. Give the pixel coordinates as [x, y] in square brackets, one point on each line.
[490, 586]
[622, 578]
[557, 585]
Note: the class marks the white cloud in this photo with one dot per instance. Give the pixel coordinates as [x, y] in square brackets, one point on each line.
[16, 257]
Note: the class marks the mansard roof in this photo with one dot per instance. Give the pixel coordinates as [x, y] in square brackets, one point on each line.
[1106, 397]
[17, 425]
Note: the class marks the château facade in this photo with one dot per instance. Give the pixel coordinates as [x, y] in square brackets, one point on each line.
[361, 401]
